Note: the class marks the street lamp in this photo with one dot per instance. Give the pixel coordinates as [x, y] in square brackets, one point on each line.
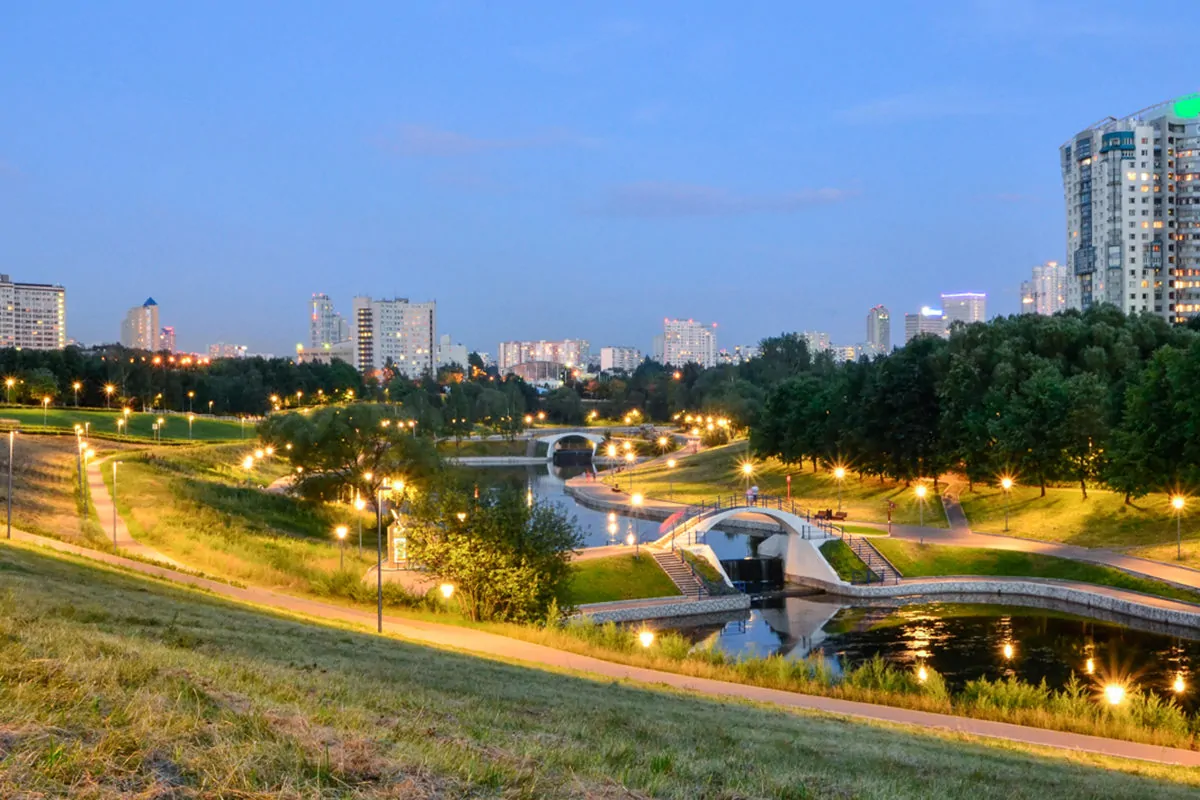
[637, 500]
[1177, 504]
[341, 532]
[447, 590]
[191, 419]
[921, 491]
[359, 505]
[12, 436]
[8, 384]
[45, 409]
[671, 477]
[191, 397]
[108, 392]
[77, 386]
[1006, 483]
[747, 471]
[840, 474]
[114, 503]
[396, 485]
[630, 458]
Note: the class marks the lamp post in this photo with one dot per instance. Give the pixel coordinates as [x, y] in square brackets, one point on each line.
[114, 503]
[108, 392]
[671, 478]
[630, 458]
[399, 486]
[12, 435]
[1006, 483]
[1177, 504]
[637, 539]
[840, 474]
[341, 532]
[191, 397]
[45, 409]
[210, 405]
[8, 384]
[77, 386]
[359, 505]
[191, 419]
[921, 491]
[747, 471]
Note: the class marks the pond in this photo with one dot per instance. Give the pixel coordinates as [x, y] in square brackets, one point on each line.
[963, 641]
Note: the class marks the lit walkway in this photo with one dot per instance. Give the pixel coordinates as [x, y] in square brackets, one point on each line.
[102, 502]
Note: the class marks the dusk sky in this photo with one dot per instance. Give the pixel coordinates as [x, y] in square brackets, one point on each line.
[551, 170]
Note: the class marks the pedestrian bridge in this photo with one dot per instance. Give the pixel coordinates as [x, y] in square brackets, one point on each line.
[692, 524]
[553, 439]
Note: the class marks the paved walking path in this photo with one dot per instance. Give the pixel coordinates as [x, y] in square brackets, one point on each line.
[102, 502]
[505, 648]
[488, 644]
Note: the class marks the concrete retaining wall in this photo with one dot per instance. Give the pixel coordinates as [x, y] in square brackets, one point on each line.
[669, 608]
[659, 514]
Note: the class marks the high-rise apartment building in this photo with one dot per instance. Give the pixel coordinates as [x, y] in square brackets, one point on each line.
[395, 331]
[326, 327]
[166, 338]
[817, 341]
[879, 330]
[1046, 292]
[449, 353]
[686, 341]
[223, 350]
[930, 321]
[1132, 191]
[965, 307]
[33, 316]
[140, 329]
[568, 352]
[625, 359]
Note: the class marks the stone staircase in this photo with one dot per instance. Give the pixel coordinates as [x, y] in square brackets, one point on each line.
[680, 573]
[862, 547]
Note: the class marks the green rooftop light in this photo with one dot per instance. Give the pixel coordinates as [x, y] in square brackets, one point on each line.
[1187, 107]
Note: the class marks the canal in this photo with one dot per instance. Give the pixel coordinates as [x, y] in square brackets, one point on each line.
[963, 641]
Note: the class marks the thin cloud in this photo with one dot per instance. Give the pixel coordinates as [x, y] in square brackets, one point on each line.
[422, 141]
[923, 105]
[662, 199]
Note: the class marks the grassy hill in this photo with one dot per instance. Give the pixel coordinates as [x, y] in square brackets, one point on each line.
[114, 686]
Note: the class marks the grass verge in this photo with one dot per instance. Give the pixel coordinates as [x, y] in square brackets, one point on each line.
[924, 560]
[138, 425]
[845, 562]
[113, 686]
[621, 577]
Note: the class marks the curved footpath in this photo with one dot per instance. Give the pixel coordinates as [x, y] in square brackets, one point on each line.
[493, 645]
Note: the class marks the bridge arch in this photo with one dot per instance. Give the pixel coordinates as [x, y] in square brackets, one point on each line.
[550, 441]
[791, 523]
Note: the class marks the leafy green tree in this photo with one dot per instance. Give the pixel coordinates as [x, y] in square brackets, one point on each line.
[564, 405]
[1086, 427]
[506, 558]
[336, 448]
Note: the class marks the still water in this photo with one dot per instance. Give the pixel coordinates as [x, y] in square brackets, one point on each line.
[962, 641]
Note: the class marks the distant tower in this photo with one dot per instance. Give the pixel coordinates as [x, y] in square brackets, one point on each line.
[879, 330]
[965, 307]
[166, 338]
[140, 329]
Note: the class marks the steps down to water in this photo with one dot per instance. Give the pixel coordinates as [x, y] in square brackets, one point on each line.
[883, 569]
[680, 573]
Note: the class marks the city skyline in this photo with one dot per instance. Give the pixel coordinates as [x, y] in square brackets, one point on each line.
[675, 181]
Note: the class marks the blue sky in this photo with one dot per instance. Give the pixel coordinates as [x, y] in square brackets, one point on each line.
[548, 170]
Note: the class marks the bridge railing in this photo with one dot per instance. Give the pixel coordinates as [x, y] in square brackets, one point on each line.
[694, 514]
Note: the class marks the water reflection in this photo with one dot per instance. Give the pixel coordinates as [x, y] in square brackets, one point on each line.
[964, 642]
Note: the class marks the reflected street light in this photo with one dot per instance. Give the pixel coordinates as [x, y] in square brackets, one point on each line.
[1177, 504]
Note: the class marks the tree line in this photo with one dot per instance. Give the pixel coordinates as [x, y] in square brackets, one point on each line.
[1092, 398]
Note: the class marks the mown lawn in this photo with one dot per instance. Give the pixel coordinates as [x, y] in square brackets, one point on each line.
[923, 560]
[717, 472]
[845, 562]
[114, 687]
[477, 447]
[623, 577]
[46, 496]
[198, 506]
[138, 426]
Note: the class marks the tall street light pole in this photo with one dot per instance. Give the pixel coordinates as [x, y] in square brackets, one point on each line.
[1177, 504]
[12, 435]
[840, 474]
[921, 490]
[1007, 484]
[114, 502]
